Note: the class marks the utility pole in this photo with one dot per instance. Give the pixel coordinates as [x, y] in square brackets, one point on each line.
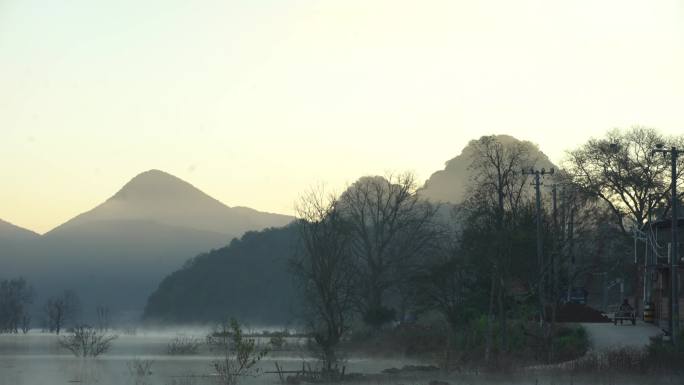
[674, 249]
[538, 174]
[555, 253]
[556, 242]
[571, 244]
[648, 255]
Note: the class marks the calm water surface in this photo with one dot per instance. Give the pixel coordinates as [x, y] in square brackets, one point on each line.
[36, 359]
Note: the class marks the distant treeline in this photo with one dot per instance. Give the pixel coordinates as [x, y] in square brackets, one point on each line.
[17, 313]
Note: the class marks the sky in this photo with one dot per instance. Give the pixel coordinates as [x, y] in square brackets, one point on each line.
[256, 101]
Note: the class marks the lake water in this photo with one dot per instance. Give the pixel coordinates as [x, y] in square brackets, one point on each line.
[37, 359]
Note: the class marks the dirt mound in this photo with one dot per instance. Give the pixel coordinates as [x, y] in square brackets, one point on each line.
[574, 312]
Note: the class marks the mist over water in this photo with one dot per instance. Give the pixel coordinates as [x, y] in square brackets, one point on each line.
[36, 358]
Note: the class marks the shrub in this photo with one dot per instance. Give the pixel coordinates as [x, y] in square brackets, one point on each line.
[663, 355]
[570, 343]
[277, 340]
[182, 345]
[239, 354]
[86, 341]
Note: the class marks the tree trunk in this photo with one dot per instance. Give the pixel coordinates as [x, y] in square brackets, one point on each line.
[490, 318]
[502, 318]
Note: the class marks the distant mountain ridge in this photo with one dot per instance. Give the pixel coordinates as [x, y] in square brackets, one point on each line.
[9, 231]
[116, 253]
[160, 197]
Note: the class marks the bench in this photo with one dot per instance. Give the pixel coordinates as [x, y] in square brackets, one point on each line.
[624, 315]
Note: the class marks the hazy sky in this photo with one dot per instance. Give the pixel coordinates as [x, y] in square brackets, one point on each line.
[255, 101]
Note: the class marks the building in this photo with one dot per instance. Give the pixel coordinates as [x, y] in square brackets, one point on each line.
[652, 255]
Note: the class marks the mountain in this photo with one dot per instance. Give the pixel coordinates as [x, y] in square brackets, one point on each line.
[13, 242]
[451, 184]
[10, 232]
[249, 280]
[115, 254]
[156, 196]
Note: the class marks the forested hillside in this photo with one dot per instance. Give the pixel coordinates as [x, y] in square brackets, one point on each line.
[247, 279]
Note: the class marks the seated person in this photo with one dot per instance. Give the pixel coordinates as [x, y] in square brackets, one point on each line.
[626, 307]
[625, 311]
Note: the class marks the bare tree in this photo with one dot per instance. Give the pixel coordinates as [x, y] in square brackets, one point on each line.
[61, 310]
[620, 170]
[447, 284]
[498, 192]
[324, 270]
[25, 323]
[16, 295]
[587, 239]
[391, 227]
[497, 179]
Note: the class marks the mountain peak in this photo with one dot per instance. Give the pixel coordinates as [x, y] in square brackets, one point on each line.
[155, 196]
[156, 185]
[154, 173]
[451, 183]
